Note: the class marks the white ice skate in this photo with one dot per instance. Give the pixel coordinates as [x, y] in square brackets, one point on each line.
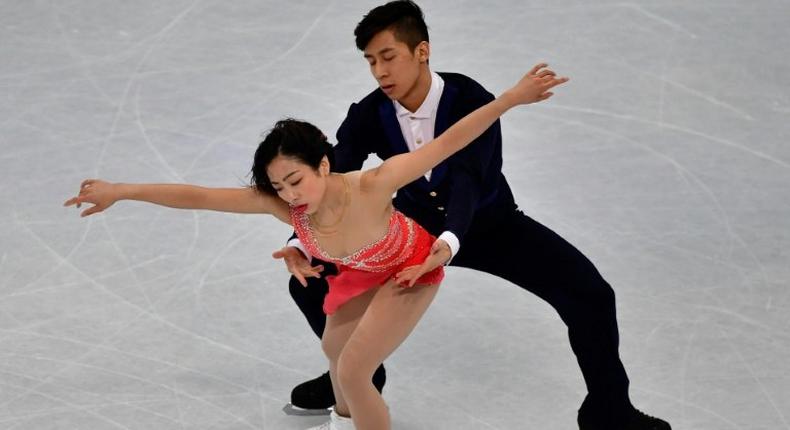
[336, 422]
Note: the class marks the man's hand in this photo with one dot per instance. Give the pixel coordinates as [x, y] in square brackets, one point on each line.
[298, 265]
[440, 254]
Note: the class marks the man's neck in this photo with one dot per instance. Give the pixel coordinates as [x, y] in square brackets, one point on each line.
[415, 98]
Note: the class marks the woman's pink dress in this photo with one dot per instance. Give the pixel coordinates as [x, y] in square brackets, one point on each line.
[405, 244]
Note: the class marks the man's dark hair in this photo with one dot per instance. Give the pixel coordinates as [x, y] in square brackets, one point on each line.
[403, 17]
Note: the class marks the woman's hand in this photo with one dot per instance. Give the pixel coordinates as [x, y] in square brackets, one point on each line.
[297, 264]
[100, 193]
[534, 86]
[440, 254]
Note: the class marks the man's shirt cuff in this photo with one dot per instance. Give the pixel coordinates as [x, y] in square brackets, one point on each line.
[452, 241]
[296, 243]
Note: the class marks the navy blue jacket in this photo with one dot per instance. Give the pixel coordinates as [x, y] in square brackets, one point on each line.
[462, 188]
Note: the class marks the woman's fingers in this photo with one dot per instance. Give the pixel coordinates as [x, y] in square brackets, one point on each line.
[86, 195]
[91, 210]
[79, 200]
[315, 271]
[537, 68]
[311, 273]
[551, 81]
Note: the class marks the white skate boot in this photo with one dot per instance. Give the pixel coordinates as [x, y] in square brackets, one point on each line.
[336, 422]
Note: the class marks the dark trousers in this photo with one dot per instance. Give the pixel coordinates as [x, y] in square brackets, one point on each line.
[517, 248]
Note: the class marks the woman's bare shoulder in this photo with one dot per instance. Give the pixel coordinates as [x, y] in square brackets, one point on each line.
[355, 179]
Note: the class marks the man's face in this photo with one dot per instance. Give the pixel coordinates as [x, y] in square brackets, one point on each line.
[395, 67]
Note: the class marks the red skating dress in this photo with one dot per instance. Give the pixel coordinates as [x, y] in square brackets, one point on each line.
[405, 244]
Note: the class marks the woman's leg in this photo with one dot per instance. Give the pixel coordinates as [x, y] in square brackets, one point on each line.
[339, 327]
[391, 315]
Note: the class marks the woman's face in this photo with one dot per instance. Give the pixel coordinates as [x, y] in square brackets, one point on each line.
[298, 183]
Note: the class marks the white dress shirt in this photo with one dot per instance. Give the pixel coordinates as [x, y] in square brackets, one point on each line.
[418, 129]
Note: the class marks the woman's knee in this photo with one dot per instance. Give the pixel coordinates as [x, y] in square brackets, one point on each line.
[331, 347]
[353, 368]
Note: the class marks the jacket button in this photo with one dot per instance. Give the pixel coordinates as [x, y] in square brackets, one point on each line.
[433, 193]
[441, 208]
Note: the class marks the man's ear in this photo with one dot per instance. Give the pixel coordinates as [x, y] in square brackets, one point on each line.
[423, 51]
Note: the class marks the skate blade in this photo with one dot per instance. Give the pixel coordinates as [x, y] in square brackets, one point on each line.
[290, 409]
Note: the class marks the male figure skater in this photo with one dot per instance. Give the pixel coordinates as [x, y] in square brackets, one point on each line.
[467, 203]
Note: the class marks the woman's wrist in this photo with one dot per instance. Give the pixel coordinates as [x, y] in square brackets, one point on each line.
[122, 191]
[507, 100]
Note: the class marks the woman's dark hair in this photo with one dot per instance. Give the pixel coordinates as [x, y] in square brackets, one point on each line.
[403, 17]
[290, 138]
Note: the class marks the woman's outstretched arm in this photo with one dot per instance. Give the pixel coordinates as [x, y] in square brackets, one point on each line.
[104, 194]
[402, 169]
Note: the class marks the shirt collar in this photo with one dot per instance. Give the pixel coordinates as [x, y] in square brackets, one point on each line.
[431, 103]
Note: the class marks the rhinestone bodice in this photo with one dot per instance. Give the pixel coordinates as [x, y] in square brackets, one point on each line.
[380, 256]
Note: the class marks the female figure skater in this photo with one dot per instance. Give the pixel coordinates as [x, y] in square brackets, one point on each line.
[347, 219]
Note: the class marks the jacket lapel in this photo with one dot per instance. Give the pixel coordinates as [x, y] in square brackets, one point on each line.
[397, 143]
[391, 127]
[389, 119]
[443, 123]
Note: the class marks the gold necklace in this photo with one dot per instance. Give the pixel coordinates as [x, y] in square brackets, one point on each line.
[321, 229]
